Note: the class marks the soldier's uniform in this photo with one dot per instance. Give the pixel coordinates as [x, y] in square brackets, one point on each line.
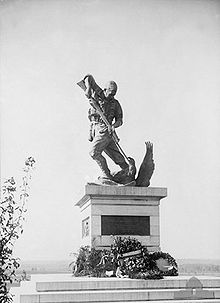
[100, 138]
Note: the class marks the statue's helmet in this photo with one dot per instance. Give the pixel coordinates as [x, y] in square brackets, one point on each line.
[111, 87]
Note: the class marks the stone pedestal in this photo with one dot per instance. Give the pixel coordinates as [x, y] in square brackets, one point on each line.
[108, 211]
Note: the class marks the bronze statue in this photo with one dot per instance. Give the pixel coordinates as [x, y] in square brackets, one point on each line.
[105, 114]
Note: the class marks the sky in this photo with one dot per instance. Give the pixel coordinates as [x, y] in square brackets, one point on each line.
[165, 58]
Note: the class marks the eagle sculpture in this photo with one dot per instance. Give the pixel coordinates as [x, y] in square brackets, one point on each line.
[147, 167]
[127, 176]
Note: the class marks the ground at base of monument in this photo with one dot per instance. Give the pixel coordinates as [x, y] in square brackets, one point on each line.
[67, 284]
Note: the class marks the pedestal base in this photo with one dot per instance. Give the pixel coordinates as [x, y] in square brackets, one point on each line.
[108, 211]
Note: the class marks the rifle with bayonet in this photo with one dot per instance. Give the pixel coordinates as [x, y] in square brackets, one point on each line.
[96, 106]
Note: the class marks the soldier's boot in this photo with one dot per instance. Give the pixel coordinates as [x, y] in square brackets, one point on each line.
[106, 174]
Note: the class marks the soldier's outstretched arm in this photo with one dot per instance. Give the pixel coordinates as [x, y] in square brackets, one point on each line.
[92, 86]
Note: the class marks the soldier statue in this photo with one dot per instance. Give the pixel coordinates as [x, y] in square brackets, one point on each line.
[105, 115]
[100, 133]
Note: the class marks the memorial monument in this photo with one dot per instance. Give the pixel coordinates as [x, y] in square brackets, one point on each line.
[105, 115]
[121, 203]
[124, 206]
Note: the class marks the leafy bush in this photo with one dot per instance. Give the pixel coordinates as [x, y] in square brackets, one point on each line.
[12, 212]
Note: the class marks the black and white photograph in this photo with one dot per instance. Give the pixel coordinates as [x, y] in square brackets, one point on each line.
[110, 151]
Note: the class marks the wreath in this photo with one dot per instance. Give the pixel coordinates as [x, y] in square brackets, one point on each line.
[123, 246]
[165, 263]
[127, 258]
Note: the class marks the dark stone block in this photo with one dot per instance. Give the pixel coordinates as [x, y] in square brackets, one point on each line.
[125, 225]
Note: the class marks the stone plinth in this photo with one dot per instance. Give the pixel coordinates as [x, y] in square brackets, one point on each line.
[66, 288]
[108, 211]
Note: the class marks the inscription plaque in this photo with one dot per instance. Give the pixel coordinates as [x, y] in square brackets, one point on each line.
[125, 225]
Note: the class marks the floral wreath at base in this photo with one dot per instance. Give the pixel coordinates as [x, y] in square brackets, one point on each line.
[172, 267]
[127, 258]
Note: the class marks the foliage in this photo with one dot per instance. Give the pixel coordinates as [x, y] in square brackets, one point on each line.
[12, 210]
[92, 262]
[124, 245]
[140, 267]
[127, 258]
[173, 271]
[134, 260]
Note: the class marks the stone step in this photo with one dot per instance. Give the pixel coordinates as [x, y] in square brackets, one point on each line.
[81, 283]
[121, 295]
[174, 301]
